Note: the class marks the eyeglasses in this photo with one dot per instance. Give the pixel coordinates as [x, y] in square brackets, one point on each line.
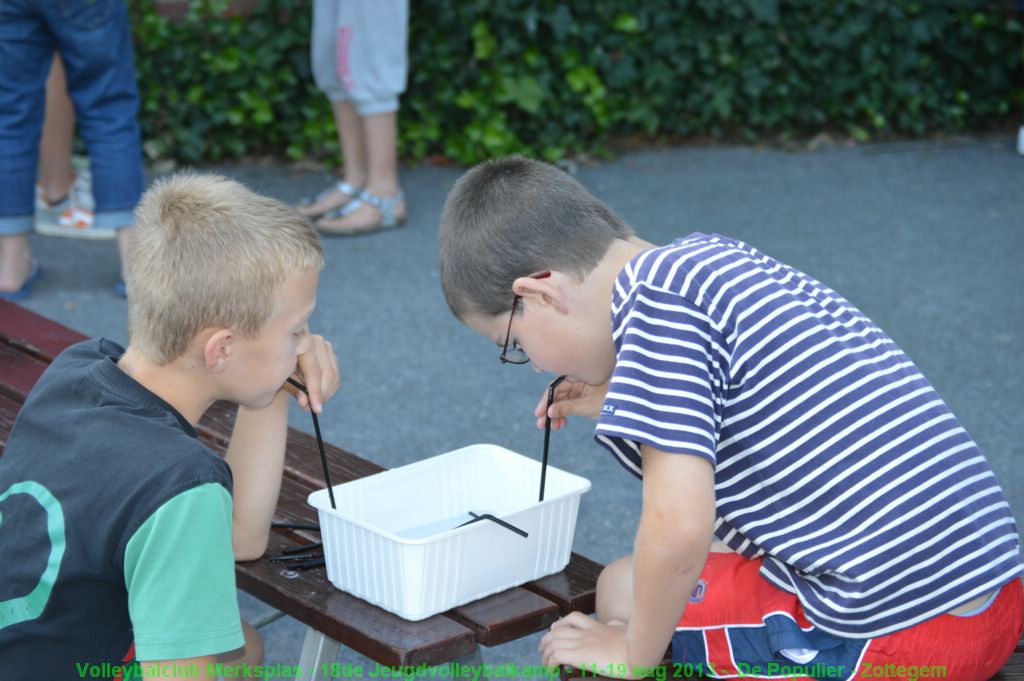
[515, 354]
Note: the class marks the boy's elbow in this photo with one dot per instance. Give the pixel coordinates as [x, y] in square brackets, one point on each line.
[248, 540]
[242, 556]
[249, 550]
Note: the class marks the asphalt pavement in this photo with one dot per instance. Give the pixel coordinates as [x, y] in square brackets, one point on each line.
[926, 237]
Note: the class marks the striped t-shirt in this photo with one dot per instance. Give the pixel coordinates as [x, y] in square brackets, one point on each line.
[834, 459]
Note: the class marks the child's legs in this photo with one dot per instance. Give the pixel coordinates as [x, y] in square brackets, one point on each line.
[323, 49]
[94, 40]
[26, 52]
[353, 153]
[352, 136]
[15, 262]
[327, 47]
[250, 654]
[372, 61]
[372, 54]
[381, 136]
[55, 174]
[738, 623]
[359, 61]
[966, 648]
[367, 43]
[382, 153]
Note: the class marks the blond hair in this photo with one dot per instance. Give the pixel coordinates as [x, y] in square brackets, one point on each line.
[207, 251]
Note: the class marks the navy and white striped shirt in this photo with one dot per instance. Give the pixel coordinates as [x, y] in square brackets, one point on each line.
[835, 460]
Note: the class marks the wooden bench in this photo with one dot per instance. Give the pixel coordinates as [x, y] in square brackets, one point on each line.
[29, 342]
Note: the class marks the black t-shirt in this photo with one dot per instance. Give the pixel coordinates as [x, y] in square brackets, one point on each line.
[113, 517]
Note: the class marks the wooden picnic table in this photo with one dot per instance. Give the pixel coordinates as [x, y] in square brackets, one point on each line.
[29, 342]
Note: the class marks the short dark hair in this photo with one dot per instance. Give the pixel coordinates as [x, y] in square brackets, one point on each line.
[512, 217]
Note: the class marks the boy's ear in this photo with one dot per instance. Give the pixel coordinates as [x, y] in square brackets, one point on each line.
[217, 350]
[548, 292]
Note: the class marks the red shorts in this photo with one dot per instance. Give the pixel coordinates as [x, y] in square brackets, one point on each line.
[737, 623]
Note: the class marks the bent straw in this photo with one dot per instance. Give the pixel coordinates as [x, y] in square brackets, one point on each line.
[487, 516]
[319, 442]
[547, 433]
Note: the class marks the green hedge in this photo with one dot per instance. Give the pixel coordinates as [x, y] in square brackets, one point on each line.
[551, 77]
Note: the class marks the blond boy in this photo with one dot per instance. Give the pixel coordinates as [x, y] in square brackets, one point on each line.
[126, 526]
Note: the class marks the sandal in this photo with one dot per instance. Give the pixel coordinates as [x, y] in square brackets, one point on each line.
[349, 207]
[387, 206]
[340, 186]
[73, 215]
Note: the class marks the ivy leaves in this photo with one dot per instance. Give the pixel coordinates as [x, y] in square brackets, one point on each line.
[550, 78]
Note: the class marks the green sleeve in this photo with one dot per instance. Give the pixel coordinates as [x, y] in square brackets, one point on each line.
[180, 572]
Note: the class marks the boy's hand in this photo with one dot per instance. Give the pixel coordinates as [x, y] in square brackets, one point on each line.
[318, 370]
[580, 641]
[572, 398]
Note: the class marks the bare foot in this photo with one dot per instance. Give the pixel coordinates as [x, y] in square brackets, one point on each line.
[11, 280]
[15, 263]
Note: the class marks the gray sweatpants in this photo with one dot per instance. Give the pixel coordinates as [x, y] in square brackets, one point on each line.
[358, 52]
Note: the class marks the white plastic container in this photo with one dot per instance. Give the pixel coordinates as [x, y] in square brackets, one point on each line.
[394, 539]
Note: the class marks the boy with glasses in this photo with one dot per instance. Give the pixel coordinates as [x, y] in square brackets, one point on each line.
[120, 528]
[811, 508]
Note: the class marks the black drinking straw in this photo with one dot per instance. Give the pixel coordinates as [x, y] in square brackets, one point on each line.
[319, 441]
[487, 516]
[547, 433]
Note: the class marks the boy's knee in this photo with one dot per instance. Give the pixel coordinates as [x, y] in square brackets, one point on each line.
[614, 599]
[253, 644]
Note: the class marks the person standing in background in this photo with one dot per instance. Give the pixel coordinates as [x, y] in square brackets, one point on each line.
[64, 203]
[95, 43]
[359, 60]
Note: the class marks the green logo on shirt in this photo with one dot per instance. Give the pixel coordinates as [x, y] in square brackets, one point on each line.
[24, 608]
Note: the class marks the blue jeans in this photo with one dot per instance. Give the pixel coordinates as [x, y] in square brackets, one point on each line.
[95, 42]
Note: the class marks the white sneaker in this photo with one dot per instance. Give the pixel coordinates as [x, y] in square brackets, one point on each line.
[72, 217]
[1020, 141]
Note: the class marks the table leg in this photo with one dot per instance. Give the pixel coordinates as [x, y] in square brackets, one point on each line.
[318, 654]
